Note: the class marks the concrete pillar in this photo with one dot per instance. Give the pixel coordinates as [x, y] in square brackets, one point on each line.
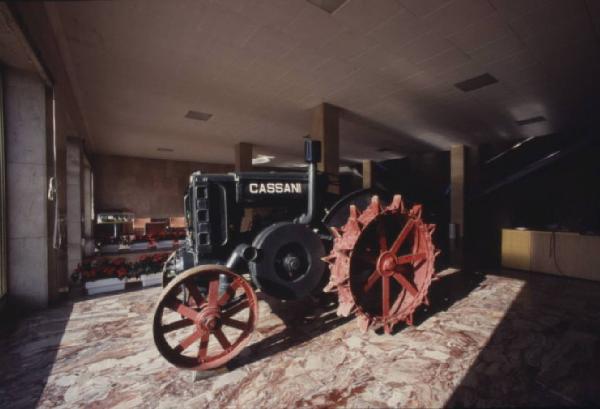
[3, 253]
[458, 155]
[74, 214]
[325, 128]
[87, 207]
[367, 175]
[27, 184]
[243, 157]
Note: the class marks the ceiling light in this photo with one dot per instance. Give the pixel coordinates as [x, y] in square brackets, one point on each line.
[164, 149]
[262, 159]
[200, 116]
[327, 5]
[532, 120]
[476, 82]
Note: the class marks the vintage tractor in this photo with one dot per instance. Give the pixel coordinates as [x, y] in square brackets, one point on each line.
[270, 231]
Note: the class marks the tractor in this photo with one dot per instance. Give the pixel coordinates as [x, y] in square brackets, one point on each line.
[271, 232]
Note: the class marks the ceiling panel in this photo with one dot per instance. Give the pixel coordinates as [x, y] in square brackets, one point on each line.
[259, 66]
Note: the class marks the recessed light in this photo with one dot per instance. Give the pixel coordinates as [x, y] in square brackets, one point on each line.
[327, 5]
[262, 159]
[164, 149]
[477, 82]
[532, 120]
[200, 116]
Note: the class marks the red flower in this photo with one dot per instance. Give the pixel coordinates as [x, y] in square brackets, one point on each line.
[118, 261]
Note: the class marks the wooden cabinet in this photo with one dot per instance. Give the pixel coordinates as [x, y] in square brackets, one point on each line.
[516, 249]
[561, 253]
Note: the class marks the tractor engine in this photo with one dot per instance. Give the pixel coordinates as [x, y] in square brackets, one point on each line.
[255, 222]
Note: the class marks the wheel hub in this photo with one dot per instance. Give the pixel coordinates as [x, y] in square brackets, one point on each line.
[292, 263]
[386, 264]
[289, 266]
[208, 319]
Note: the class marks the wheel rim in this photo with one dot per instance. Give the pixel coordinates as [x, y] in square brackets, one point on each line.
[196, 326]
[392, 267]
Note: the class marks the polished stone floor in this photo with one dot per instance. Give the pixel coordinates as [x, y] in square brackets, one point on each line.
[506, 339]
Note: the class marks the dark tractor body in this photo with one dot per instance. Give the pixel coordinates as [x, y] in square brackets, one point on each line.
[268, 224]
[276, 229]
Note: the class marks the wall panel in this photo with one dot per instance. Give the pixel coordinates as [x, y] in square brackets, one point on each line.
[147, 187]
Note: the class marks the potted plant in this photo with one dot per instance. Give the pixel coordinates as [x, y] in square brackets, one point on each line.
[102, 276]
[150, 268]
[164, 241]
[139, 243]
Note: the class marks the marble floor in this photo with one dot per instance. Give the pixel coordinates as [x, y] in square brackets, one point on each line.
[504, 339]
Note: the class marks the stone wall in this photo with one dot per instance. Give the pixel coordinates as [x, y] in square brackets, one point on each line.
[147, 187]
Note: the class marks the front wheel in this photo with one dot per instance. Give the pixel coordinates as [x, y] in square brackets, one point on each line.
[199, 326]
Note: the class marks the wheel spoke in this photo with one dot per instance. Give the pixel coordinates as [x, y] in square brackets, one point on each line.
[222, 339]
[229, 292]
[405, 283]
[189, 340]
[371, 280]
[385, 294]
[235, 309]
[173, 326]
[411, 258]
[381, 237]
[230, 322]
[402, 236]
[195, 293]
[182, 309]
[203, 347]
[213, 292]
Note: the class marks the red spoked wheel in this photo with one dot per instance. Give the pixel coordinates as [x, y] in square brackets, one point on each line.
[382, 264]
[199, 326]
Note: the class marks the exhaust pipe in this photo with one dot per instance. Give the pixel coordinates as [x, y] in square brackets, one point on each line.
[312, 155]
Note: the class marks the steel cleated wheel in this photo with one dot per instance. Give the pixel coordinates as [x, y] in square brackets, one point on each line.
[199, 326]
[382, 264]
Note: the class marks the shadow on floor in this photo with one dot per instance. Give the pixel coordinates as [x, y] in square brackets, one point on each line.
[545, 352]
[307, 320]
[443, 294]
[29, 345]
[304, 320]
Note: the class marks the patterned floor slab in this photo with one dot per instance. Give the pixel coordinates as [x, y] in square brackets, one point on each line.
[496, 340]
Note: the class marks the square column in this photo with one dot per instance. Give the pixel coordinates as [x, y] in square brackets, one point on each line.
[74, 214]
[26, 188]
[325, 128]
[367, 176]
[458, 154]
[243, 157]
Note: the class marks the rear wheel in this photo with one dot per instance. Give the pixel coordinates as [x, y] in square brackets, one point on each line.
[199, 326]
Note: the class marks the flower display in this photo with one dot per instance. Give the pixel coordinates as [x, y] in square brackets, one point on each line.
[96, 268]
[149, 264]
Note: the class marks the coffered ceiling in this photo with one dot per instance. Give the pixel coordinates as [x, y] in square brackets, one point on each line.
[259, 66]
